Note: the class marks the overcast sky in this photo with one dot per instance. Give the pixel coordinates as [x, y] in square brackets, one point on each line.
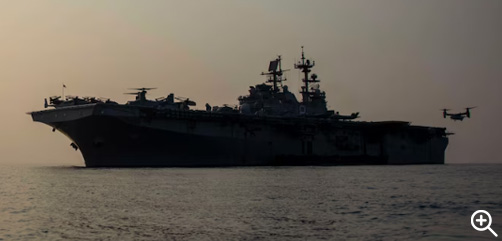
[387, 59]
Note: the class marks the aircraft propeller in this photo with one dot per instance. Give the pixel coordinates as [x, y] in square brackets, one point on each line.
[142, 89]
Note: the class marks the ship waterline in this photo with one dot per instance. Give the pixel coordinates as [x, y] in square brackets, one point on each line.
[112, 135]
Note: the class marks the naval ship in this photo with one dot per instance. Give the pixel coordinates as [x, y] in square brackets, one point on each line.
[269, 127]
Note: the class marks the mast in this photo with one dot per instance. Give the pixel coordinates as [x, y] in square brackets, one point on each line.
[62, 95]
[305, 65]
[275, 73]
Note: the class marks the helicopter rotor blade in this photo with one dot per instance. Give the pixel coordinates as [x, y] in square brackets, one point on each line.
[142, 89]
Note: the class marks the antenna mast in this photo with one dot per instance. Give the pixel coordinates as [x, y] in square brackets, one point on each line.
[304, 65]
[275, 73]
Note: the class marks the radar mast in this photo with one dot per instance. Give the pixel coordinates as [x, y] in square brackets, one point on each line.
[275, 73]
[305, 66]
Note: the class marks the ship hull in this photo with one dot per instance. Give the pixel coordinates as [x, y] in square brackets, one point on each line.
[125, 136]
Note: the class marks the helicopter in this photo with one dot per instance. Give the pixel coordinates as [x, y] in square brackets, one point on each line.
[185, 100]
[352, 116]
[458, 116]
[53, 101]
[141, 94]
[184, 103]
[161, 102]
[69, 100]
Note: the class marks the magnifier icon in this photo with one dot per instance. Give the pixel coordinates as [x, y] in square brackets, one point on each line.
[478, 220]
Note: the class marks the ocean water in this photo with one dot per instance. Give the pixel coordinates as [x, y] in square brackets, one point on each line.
[428, 202]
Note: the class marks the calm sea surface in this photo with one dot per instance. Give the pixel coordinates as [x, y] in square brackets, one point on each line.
[431, 202]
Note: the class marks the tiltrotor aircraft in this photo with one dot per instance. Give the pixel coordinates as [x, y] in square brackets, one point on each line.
[458, 116]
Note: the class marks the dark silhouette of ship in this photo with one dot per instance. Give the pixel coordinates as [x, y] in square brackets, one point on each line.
[269, 127]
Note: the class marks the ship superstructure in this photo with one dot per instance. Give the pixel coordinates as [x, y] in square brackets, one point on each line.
[313, 99]
[269, 127]
[271, 98]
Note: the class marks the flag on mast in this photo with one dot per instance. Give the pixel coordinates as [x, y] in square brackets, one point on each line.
[62, 95]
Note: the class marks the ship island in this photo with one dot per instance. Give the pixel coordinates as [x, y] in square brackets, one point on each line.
[269, 127]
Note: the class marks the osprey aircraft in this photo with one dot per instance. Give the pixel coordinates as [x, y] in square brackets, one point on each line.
[458, 116]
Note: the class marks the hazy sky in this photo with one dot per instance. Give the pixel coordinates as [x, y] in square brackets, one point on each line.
[388, 59]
